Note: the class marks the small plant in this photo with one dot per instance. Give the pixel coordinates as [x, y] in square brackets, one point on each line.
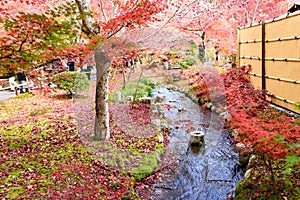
[144, 89]
[297, 105]
[186, 63]
[71, 81]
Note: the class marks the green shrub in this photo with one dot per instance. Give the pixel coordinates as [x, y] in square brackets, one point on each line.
[186, 63]
[71, 81]
[298, 105]
[144, 90]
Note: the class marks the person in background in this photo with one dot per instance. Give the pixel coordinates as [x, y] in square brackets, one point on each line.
[22, 81]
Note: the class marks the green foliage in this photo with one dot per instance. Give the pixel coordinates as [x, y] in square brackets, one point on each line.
[23, 96]
[194, 49]
[31, 39]
[292, 159]
[186, 63]
[298, 105]
[71, 81]
[149, 164]
[260, 185]
[145, 89]
[140, 164]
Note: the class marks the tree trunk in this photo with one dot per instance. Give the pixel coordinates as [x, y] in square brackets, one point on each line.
[101, 127]
[124, 79]
[204, 46]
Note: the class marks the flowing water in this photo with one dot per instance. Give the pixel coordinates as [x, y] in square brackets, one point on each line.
[209, 173]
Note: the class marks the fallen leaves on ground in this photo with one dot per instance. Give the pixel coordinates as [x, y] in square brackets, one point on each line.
[42, 155]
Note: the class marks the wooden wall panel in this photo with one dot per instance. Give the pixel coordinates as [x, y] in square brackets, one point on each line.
[279, 73]
[283, 28]
[250, 33]
[283, 49]
[288, 70]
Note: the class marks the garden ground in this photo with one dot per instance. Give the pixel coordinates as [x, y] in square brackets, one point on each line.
[44, 156]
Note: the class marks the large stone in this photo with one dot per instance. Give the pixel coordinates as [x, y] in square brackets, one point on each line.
[181, 109]
[240, 147]
[158, 99]
[118, 97]
[146, 100]
[129, 98]
[160, 108]
[160, 138]
[153, 107]
[213, 108]
[155, 122]
[197, 138]
[209, 105]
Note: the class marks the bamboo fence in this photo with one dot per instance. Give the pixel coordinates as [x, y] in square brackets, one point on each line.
[272, 48]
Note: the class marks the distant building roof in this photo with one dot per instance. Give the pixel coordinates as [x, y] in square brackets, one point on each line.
[294, 8]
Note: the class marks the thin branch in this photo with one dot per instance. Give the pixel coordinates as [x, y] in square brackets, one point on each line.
[159, 28]
[255, 10]
[19, 50]
[102, 10]
[115, 7]
[116, 31]
[168, 21]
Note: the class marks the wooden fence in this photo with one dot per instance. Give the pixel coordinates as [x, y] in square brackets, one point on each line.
[272, 48]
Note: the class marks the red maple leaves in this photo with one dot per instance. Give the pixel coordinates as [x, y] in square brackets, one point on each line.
[263, 130]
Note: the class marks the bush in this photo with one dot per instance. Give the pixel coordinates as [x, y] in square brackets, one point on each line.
[186, 63]
[71, 81]
[144, 90]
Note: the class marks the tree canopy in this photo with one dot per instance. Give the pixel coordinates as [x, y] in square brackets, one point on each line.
[35, 32]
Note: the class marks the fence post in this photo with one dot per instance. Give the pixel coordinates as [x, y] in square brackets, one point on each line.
[263, 56]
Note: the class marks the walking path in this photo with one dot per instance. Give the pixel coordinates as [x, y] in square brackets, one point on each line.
[4, 95]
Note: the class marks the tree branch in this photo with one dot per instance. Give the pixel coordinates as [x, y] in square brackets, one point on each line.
[168, 21]
[159, 28]
[89, 27]
[115, 7]
[19, 50]
[102, 10]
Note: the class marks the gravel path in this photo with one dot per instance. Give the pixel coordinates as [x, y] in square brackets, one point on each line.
[6, 95]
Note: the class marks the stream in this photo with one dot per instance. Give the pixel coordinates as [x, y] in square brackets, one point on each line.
[210, 172]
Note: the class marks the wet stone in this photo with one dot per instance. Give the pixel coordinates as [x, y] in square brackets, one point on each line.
[153, 107]
[179, 148]
[176, 79]
[181, 109]
[155, 122]
[118, 97]
[219, 171]
[129, 98]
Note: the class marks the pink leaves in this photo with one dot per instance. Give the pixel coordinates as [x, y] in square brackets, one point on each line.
[42, 155]
[132, 128]
[57, 175]
[255, 123]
